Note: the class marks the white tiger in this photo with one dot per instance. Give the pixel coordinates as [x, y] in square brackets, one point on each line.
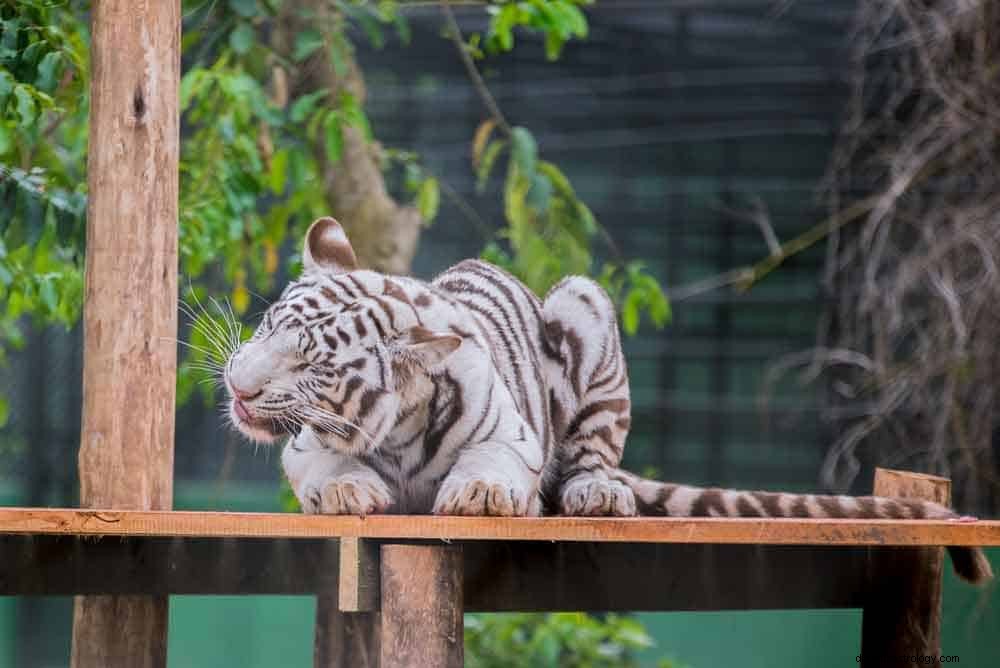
[469, 396]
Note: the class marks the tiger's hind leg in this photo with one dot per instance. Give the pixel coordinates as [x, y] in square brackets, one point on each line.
[586, 373]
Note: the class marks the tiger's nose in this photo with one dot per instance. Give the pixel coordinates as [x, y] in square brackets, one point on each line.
[243, 395]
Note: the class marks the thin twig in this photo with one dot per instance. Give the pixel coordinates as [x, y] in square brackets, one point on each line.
[455, 33]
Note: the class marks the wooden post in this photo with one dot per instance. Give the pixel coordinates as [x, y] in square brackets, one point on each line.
[130, 308]
[421, 606]
[345, 639]
[902, 613]
[347, 625]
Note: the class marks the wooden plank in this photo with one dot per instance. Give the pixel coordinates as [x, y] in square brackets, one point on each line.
[130, 302]
[46, 521]
[422, 606]
[65, 565]
[902, 613]
[359, 575]
[498, 575]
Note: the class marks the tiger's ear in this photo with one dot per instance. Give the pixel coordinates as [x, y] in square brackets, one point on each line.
[420, 348]
[326, 248]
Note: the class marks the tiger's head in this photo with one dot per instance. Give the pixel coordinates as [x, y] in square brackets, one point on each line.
[326, 354]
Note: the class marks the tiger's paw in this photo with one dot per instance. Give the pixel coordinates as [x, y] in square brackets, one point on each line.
[586, 495]
[480, 496]
[349, 494]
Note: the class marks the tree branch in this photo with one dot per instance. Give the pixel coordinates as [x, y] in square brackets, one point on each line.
[455, 33]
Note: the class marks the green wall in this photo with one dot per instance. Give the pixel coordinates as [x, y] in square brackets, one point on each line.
[819, 638]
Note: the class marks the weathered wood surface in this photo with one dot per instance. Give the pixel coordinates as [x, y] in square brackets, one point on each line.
[46, 521]
[345, 639]
[902, 610]
[359, 575]
[422, 606]
[498, 575]
[130, 310]
[348, 624]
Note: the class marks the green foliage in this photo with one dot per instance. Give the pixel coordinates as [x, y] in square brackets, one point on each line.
[252, 160]
[551, 232]
[43, 104]
[558, 20]
[559, 640]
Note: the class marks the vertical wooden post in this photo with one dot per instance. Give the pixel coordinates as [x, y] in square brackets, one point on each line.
[348, 624]
[130, 309]
[902, 616]
[421, 606]
[345, 639]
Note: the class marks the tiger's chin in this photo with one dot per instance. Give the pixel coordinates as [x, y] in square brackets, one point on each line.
[260, 430]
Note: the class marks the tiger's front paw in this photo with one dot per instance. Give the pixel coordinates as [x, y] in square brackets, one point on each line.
[348, 494]
[587, 495]
[480, 496]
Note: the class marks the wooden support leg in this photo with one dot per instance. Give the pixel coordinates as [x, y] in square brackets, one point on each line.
[345, 639]
[422, 606]
[902, 613]
[347, 625]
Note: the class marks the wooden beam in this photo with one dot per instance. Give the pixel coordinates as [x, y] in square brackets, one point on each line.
[49, 521]
[498, 575]
[130, 303]
[422, 606]
[902, 611]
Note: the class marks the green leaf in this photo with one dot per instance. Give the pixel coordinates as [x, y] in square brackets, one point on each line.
[4, 411]
[333, 135]
[47, 71]
[47, 292]
[306, 43]
[6, 139]
[489, 157]
[354, 115]
[524, 151]
[429, 199]
[501, 30]
[25, 105]
[242, 38]
[6, 87]
[303, 106]
[540, 193]
[278, 176]
[630, 312]
[245, 8]
[340, 52]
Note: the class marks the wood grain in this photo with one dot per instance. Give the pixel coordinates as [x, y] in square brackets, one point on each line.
[130, 303]
[422, 606]
[348, 624]
[358, 589]
[902, 613]
[54, 521]
[345, 639]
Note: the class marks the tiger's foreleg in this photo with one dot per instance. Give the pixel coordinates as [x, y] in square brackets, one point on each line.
[328, 482]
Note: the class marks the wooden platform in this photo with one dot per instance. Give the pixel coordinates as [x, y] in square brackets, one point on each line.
[376, 577]
[723, 531]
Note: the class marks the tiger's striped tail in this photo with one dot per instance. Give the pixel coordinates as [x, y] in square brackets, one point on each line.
[655, 498]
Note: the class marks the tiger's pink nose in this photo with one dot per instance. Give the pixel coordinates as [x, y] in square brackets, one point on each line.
[243, 395]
